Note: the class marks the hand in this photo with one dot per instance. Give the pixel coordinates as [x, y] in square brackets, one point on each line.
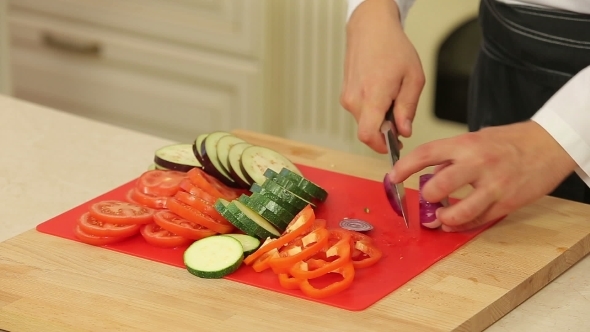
[508, 167]
[381, 65]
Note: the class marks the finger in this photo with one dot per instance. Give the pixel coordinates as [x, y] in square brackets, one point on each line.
[371, 117]
[428, 154]
[468, 210]
[406, 103]
[440, 167]
[447, 181]
[491, 214]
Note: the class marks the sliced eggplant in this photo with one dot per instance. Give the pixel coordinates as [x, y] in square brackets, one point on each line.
[257, 159]
[197, 147]
[177, 157]
[223, 147]
[234, 158]
[211, 163]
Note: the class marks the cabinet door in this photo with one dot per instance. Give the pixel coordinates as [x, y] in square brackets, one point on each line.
[234, 26]
[155, 88]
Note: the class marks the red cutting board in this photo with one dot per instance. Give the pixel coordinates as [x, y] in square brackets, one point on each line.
[406, 252]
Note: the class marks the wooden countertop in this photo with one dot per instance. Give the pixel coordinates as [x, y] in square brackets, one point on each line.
[52, 284]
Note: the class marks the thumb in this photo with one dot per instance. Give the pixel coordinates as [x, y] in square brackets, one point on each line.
[406, 104]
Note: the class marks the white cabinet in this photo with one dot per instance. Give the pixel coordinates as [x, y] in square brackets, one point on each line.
[149, 67]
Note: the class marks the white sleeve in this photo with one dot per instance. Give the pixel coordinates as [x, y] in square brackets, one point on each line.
[403, 5]
[566, 117]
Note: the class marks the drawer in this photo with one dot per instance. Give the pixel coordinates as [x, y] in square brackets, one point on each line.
[154, 88]
[233, 26]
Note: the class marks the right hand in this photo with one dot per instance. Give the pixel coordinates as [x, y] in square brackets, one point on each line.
[381, 65]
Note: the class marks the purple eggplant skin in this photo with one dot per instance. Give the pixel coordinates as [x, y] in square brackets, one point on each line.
[427, 210]
[210, 169]
[390, 192]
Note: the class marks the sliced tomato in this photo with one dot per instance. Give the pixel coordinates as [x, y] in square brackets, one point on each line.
[93, 239]
[154, 202]
[211, 185]
[200, 204]
[119, 212]
[160, 182]
[181, 226]
[195, 216]
[190, 188]
[159, 237]
[93, 226]
[129, 197]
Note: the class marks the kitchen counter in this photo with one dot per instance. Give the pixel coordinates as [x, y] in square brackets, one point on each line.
[54, 161]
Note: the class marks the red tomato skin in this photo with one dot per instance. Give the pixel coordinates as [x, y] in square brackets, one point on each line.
[93, 226]
[121, 212]
[159, 237]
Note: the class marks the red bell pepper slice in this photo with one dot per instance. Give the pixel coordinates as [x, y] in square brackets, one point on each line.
[262, 263]
[301, 224]
[289, 282]
[299, 249]
[347, 272]
[371, 254]
[338, 246]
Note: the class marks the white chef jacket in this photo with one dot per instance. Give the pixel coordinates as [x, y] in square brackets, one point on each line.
[566, 115]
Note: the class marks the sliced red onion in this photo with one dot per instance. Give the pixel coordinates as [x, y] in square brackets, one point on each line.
[427, 210]
[357, 225]
[390, 192]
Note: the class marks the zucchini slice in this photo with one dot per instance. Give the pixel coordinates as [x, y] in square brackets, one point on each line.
[309, 187]
[221, 205]
[177, 157]
[256, 189]
[256, 159]
[270, 210]
[252, 222]
[249, 243]
[214, 256]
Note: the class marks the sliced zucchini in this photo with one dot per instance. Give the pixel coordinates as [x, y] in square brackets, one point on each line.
[249, 243]
[221, 205]
[197, 147]
[277, 215]
[292, 187]
[256, 189]
[177, 157]
[256, 159]
[285, 195]
[234, 159]
[264, 212]
[223, 146]
[252, 222]
[309, 187]
[214, 257]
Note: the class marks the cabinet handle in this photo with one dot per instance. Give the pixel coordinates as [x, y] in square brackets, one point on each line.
[71, 45]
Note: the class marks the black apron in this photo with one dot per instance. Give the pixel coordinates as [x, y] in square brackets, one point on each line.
[527, 54]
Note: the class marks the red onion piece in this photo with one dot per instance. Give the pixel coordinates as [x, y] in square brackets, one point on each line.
[390, 192]
[427, 210]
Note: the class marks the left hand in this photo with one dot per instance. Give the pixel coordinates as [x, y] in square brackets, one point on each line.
[507, 166]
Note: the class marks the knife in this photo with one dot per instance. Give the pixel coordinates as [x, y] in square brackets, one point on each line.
[398, 191]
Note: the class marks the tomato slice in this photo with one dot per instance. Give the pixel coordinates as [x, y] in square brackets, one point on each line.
[193, 215]
[154, 202]
[181, 226]
[159, 237]
[201, 205]
[93, 226]
[211, 185]
[119, 212]
[160, 182]
[190, 188]
[93, 239]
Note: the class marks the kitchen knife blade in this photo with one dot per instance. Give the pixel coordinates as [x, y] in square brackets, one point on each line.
[389, 130]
